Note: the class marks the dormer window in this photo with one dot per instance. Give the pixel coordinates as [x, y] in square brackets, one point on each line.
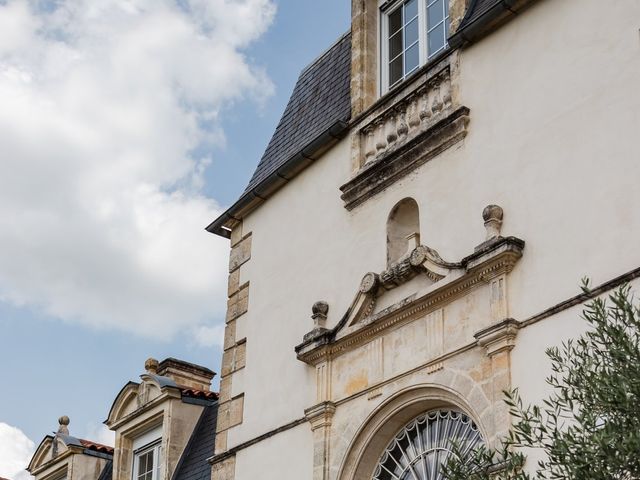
[413, 32]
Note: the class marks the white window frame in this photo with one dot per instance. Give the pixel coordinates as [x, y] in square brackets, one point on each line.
[156, 448]
[385, 9]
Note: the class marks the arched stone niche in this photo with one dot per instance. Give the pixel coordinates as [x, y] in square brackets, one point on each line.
[403, 230]
[384, 422]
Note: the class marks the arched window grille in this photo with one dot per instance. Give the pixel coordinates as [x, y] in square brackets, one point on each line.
[418, 451]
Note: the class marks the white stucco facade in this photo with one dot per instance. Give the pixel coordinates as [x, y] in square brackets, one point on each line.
[552, 138]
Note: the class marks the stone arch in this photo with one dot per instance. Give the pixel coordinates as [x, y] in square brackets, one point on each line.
[386, 420]
[403, 229]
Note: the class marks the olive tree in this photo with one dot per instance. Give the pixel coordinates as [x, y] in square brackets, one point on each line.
[588, 428]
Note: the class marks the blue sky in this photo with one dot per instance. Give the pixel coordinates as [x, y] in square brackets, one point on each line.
[92, 283]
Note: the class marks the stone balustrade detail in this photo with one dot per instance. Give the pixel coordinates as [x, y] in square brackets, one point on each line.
[409, 117]
[408, 127]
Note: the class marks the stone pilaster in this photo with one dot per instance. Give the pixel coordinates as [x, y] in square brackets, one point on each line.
[498, 341]
[320, 416]
[364, 54]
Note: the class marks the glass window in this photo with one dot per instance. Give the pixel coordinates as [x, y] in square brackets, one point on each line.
[147, 463]
[415, 31]
[437, 26]
[418, 451]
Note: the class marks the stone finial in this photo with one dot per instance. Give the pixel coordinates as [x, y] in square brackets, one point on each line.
[319, 314]
[63, 425]
[492, 215]
[151, 366]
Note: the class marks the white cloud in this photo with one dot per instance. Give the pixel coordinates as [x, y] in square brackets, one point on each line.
[209, 335]
[98, 432]
[16, 450]
[104, 103]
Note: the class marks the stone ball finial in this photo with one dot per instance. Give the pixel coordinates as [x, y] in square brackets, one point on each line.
[151, 366]
[492, 216]
[319, 314]
[320, 308]
[63, 425]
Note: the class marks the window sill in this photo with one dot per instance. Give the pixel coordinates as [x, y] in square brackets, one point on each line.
[408, 127]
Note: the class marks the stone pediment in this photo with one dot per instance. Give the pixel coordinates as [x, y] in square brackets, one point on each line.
[136, 397]
[44, 453]
[429, 282]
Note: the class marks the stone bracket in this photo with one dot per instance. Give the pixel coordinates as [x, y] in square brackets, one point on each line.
[498, 338]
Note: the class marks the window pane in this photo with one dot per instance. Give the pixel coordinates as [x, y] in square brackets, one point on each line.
[395, 45]
[411, 33]
[435, 13]
[395, 21]
[435, 39]
[410, 9]
[142, 464]
[150, 461]
[412, 59]
[395, 70]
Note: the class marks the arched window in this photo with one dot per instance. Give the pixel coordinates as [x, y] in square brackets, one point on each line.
[418, 451]
[403, 230]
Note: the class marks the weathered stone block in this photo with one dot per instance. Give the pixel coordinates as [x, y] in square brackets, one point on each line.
[236, 410]
[241, 355]
[234, 282]
[236, 234]
[225, 389]
[221, 442]
[234, 358]
[224, 470]
[230, 335]
[238, 304]
[240, 254]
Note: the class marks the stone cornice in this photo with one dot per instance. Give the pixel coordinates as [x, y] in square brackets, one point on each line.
[320, 415]
[498, 338]
[496, 257]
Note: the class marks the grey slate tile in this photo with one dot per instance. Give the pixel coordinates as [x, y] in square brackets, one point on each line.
[321, 97]
[193, 465]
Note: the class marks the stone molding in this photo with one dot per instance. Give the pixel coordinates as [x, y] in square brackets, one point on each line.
[405, 129]
[320, 415]
[359, 325]
[384, 421]
[498, 338]
[386, 169]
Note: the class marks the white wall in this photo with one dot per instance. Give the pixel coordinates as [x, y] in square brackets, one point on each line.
[555, 118]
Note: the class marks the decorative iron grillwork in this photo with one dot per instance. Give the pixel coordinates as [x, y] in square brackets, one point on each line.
[420, 449]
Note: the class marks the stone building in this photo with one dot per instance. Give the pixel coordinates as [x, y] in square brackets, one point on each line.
[164, 430]
[414, 235]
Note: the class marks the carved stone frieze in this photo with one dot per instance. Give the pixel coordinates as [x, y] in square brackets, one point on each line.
[409, 128]
[361, 322]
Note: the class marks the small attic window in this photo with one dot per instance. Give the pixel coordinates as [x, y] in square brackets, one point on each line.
[403, 230]
[146, 465]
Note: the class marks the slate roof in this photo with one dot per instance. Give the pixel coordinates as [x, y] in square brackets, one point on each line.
[70, 440]
[107, 471]
[481, 16]
[321, 97]
[477, 8]
[194, 465]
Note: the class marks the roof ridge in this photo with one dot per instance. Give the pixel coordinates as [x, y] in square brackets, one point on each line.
[325, 52]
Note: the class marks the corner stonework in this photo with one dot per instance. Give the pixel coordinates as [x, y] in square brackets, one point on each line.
[231, 401]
